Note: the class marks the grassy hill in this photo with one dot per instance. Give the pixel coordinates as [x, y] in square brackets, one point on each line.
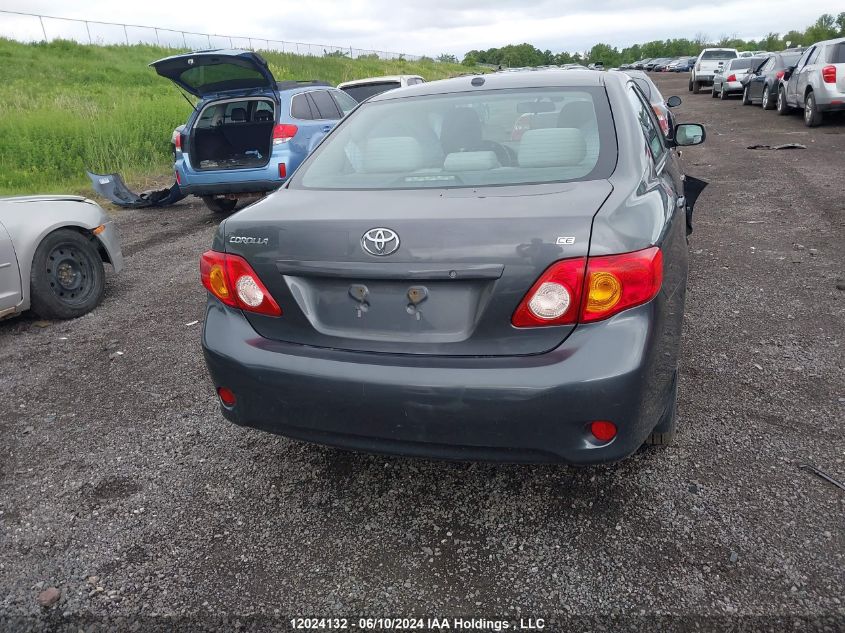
[64, 106]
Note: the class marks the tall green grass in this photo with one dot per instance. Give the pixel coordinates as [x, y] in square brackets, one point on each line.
[65, 106]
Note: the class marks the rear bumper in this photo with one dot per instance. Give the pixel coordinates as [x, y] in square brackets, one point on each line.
[519, 409]
[250, 186]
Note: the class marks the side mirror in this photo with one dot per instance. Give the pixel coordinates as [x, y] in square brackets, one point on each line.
[673, 101]
[687, 134]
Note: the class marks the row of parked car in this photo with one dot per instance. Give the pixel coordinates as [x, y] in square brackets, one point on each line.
[810, 79]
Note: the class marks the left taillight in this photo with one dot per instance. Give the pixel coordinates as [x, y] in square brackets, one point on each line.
[177, 140]
[731, 77]
[591, 289]
[829, 74]
[283, 132]
[232, 280]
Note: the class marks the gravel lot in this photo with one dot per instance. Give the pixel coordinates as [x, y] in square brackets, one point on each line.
[123, 487]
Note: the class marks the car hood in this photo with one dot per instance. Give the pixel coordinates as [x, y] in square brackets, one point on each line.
[206, 73]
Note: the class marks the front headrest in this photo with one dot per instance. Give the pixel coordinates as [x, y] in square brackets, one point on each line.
[552, 147]
[392, 154]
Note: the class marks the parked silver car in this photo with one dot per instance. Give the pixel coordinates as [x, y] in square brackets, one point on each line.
[52, 250]
[817, 83]
[727, 80]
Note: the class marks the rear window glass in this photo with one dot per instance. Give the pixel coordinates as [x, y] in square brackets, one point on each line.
[836, 54]
[413, 81]
[497, 137]
[326, 106]
[208, 78]
[365, 91]
[718, 55]
[744, 62]
[791, 59]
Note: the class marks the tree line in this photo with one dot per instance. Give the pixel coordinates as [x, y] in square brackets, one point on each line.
[515, 55]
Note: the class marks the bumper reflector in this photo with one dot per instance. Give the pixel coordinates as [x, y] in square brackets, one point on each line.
[603, 430]
[226, 396]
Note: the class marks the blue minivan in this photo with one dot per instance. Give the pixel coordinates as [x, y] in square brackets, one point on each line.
[248, 132]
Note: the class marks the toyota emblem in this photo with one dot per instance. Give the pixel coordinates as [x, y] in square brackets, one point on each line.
[380, 241]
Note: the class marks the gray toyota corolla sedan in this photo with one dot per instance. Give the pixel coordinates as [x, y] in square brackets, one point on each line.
[478, 268]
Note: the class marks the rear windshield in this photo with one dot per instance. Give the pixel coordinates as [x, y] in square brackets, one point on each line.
[365, 91]
[790, 59]
[718, 55]
[744, 62]
[836, 54]
[497, 137]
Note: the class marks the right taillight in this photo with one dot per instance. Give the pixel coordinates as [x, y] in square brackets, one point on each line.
[283, 132]
[232, 280]
[829, 74]
[591, 289]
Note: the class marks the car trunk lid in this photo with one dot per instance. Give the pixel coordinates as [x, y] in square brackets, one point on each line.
[207, 73]
[456, 264]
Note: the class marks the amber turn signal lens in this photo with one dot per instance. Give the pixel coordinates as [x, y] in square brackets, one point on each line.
[217, 281]
[604, 292]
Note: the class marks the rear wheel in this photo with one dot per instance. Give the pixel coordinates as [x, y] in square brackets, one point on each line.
[67, 278]
[766, 101]
[713, 92]
[746, 99]
[664, 433]
[782, 107]
[220, 205]
[812, 116]
[723, 94]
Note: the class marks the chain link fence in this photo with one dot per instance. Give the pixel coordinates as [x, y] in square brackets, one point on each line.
[32, 27]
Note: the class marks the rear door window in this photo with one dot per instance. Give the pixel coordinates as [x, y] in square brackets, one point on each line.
[300, 108]
[344, 101]
[707, 55]
[326, 107]
[650, 127]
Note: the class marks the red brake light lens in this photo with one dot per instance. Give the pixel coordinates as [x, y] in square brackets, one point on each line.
[177, 140]
[731, 77]
[591, 289]
[780, 74]
[555, 297]
[233, 281]
[284, 132]
[829, 74]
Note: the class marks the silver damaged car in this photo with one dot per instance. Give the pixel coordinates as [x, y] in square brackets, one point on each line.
[52, 255]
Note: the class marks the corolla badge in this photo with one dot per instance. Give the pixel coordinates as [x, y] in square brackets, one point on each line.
[380, 241]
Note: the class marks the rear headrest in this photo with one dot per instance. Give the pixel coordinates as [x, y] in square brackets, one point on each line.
[552, 147]
[238, 114]
[263, 116]
[576, 114]
[392, 154]
[471, 161]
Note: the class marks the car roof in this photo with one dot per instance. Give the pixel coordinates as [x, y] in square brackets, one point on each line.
[382, 79]
[500, 81]
[835, 40]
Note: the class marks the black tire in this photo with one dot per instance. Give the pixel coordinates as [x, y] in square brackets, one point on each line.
[220, 205]
[746, 100]
[664, 433]
[713, 92]
[766, 100]
[812, 116]
[689, 87]
[781, 105]
[696, 87]
[723, 94]
[67, 278]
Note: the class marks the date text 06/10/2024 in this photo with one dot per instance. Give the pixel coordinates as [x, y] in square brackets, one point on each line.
[418, 624]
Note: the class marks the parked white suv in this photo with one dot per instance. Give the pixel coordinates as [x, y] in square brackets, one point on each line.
[361, 89]
[817, 83]
[709, 60]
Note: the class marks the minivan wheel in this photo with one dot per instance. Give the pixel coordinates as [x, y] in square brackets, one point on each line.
[220, 205]
[67, 278]
[812, 116]
[782, 106]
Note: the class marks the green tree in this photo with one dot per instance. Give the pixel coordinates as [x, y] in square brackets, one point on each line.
[447, 58]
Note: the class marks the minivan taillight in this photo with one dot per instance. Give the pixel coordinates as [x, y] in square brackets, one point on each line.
[233, 281]
[283, 132]
[591, 289]
[829, 74]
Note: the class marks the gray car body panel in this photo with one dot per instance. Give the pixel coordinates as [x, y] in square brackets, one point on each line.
[28, 219]
[531, 397]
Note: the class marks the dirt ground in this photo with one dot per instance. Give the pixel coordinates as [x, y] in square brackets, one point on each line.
[122, 486]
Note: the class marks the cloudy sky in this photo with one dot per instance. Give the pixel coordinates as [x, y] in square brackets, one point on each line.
[424, 27]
